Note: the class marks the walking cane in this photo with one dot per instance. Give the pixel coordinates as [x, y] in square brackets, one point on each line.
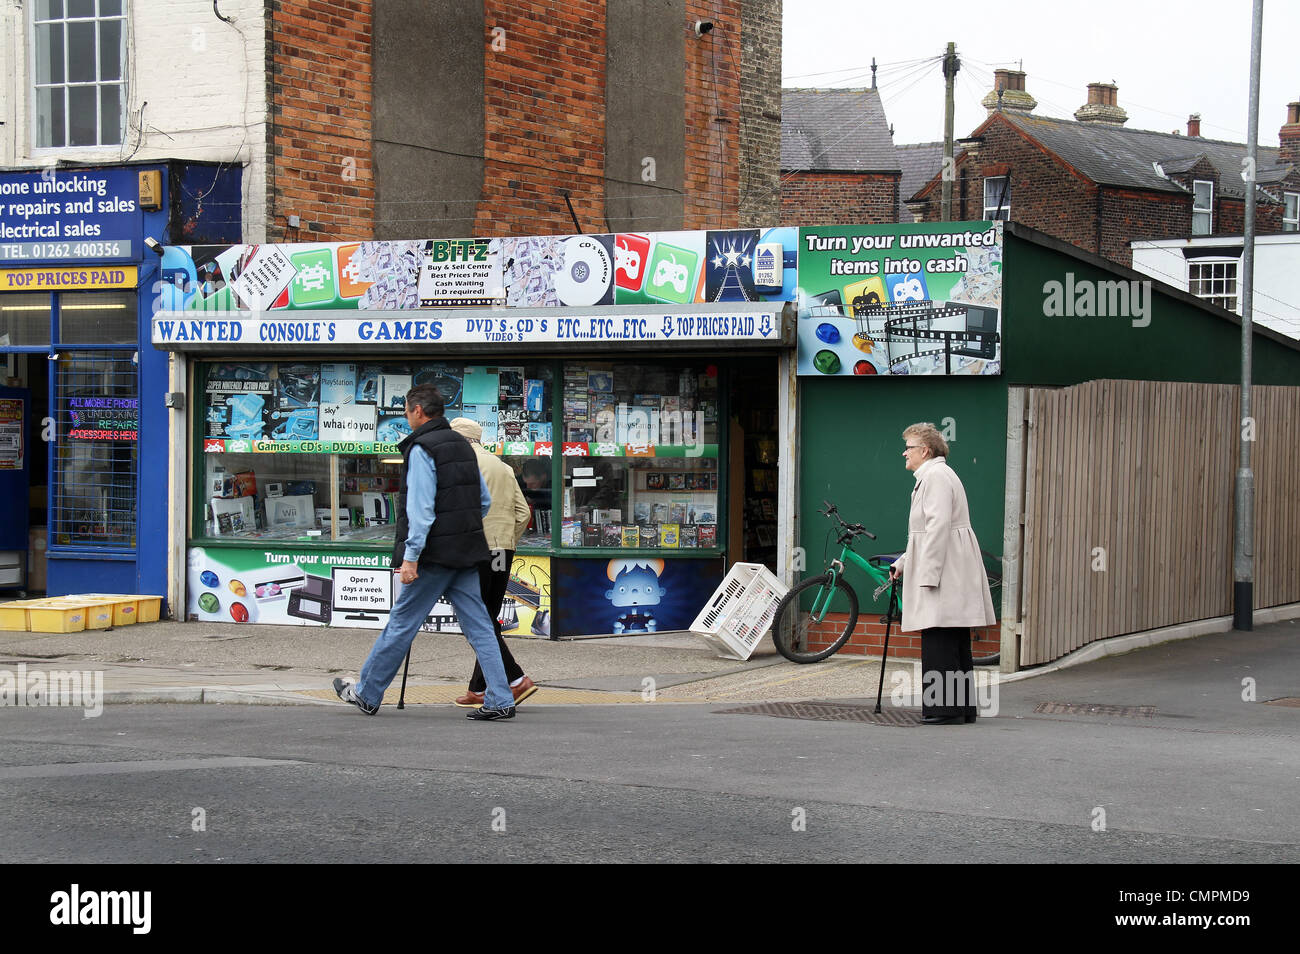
[892, 586]
[401, 700]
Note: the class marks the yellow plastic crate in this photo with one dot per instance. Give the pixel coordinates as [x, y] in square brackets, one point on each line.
[53, 616]
[13, 615]
[150, 608]
[99, 611]
[125, 608]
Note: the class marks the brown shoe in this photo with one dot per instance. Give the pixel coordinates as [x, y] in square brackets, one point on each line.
[522, 691]
[470, 700]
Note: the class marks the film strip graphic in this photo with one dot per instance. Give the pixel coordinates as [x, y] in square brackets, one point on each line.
[906, 330]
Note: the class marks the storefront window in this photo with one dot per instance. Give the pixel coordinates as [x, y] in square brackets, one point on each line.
[24, 320]
[307, 450]
[105, 317]
[640, 456]
[97, 414]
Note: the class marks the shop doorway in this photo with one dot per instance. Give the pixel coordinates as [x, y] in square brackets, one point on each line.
[753, 461]
[24, 466]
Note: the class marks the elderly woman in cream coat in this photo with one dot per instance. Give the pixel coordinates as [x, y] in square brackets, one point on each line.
[945, 588]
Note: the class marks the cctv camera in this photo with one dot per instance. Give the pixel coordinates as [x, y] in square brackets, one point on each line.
[702, 27]
[153, 245]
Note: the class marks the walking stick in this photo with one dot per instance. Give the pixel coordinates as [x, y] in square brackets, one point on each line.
[401, 700]
[889, 621]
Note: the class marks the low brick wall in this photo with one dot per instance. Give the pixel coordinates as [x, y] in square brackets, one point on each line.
[869, 638]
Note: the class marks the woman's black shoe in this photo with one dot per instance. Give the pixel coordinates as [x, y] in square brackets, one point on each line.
[943, 720]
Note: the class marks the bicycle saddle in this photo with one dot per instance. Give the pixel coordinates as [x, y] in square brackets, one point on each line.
[884, 559]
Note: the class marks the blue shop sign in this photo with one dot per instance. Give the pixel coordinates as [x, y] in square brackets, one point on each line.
[53, 215]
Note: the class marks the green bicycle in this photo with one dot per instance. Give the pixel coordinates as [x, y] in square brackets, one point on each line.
[796, 629]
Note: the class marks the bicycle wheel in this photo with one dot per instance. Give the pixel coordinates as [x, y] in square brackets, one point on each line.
[800, 628]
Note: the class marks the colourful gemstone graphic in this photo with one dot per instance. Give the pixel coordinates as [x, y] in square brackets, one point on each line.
[209, 603]
[864, 367]
[828, 333]
[239, 612]
[208, 578]
[827, 362]
[237, 588]
[863, 342]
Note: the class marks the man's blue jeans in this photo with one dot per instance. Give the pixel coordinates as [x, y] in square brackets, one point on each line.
[461, 587]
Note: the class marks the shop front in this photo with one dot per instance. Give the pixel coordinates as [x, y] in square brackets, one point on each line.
[644, 432]
[76, 280]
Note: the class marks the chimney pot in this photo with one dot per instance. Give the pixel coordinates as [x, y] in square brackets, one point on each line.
[1194, 124]
[1102, 106]
[1008, 93]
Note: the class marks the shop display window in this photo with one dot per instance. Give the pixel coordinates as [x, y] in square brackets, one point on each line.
[640, 456]
[308, 450]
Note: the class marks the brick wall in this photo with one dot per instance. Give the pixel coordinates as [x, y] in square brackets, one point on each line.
[839, 198]
[868, 638]
[712, 115]
[760, 127]
[544, 111]
[318, 133]
[1133, 215]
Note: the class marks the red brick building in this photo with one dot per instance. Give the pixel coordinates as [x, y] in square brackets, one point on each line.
[1100, 186]
[411, 118]
[838, 162]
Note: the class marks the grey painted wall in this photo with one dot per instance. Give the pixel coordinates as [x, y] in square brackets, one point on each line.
[645, 114]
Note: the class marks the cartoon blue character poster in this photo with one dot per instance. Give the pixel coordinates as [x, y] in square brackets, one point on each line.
[630, 595]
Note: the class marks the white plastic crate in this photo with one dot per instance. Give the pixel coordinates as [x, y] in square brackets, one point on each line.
[740, 610]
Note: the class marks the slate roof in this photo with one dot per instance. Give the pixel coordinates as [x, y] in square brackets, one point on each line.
[842, 130]
[921, 162]
[1114, 155]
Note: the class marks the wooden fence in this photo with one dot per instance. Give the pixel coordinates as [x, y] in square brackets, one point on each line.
[1127, 492]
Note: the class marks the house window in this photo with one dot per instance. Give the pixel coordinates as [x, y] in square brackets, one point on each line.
[1291, 213]
[78, 51]
[1216, 282]
[997, 198]
[1202, 207]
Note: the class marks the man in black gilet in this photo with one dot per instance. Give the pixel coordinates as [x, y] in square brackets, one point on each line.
[439, 545]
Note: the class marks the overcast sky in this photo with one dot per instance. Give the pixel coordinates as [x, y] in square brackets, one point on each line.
[1168, 60]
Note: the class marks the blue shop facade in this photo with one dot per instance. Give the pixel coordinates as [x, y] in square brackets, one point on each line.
[84, 440]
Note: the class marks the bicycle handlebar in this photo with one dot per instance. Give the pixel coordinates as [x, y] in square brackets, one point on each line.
[852, 528]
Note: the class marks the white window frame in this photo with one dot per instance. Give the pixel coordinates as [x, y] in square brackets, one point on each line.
[992, 211]
[1204, 212]
[1216, 280]
[1291, 212]
[63, 87]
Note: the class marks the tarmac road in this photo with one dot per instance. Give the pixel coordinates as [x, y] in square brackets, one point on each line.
[1209, 777]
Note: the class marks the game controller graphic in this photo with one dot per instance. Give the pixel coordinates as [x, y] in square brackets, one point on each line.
[627, 260]
[910, 289]
[671, 273]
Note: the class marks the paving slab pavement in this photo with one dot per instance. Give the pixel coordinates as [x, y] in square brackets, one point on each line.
[290, 665]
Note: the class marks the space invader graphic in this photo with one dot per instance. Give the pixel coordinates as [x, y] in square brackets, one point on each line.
[314, 283]
[671, 273]
[350, 284]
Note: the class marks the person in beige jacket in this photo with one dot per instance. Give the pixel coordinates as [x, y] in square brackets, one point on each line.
[504, 524]
[945, 588]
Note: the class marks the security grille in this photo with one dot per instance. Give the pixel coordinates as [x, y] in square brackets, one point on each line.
[97, 421]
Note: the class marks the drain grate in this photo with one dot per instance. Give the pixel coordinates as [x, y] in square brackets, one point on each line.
[830, 712]
[1291, 702]
[1088, 708]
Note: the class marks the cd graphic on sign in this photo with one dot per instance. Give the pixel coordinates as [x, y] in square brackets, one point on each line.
[587, 273]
